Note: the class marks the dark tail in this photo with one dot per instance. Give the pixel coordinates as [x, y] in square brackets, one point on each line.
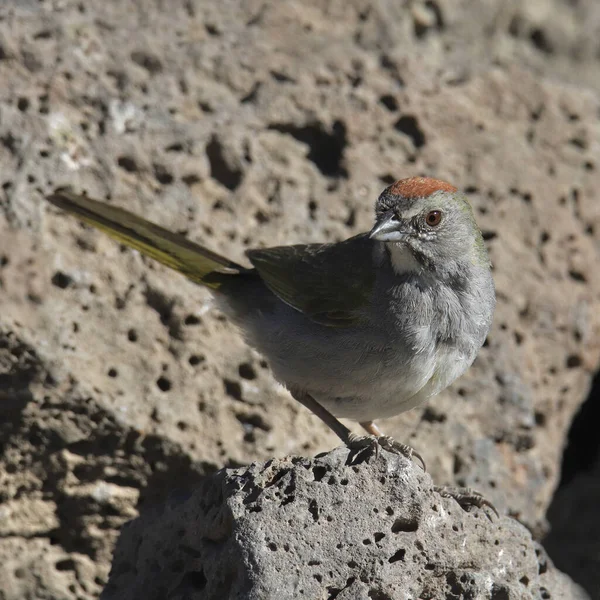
[171, 249]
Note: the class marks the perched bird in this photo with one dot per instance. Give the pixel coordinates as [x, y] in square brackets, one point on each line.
[361, 329]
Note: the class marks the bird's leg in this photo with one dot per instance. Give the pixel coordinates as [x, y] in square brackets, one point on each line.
[465, 497]
[390, 444]
[338, 428]
[352, 440]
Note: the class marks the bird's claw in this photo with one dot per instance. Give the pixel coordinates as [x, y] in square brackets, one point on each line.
[385, 442]
[466, 497]
[391, 445]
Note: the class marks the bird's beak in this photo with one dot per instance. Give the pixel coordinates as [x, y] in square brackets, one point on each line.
[389, 229]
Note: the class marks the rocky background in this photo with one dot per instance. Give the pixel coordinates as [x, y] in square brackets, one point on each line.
[258, 123]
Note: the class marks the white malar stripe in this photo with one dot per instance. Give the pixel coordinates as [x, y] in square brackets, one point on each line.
[403, 260]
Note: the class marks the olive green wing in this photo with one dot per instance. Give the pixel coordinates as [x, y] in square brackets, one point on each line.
[171, 249]
[330, 283]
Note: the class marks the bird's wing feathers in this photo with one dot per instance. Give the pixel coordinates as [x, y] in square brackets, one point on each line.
[330, 283]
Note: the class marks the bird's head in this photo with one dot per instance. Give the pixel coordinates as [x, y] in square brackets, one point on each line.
[427, 223]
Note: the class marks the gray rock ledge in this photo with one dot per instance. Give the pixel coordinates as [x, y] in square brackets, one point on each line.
[328, 528]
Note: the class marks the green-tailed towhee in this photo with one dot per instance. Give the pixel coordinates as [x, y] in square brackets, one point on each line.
[362, 329]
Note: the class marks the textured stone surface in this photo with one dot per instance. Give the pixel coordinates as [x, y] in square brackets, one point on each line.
[261, 123]
[328, 527]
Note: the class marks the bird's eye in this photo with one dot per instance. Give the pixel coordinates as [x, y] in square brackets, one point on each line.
[433, 218]
[395, 217]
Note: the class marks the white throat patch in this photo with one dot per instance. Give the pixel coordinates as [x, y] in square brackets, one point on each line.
[403, 260]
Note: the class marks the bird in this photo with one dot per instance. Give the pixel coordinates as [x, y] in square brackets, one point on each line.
[360, 329]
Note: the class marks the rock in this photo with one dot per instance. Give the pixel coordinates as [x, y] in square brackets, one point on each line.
[252, 124]
[33, 568]
[70, 477]
[336, 526]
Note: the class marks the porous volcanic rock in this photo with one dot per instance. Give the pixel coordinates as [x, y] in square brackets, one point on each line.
[259, 123]
[329, 527]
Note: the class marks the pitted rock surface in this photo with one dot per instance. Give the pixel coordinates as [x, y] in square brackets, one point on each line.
[329, 527]
[259, 123]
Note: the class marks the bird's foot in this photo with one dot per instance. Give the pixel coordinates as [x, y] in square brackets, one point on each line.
[466, 497]
[363, 442]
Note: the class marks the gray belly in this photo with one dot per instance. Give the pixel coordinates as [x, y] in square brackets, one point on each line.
[401, 386]
[358, 373]
[375, 370]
